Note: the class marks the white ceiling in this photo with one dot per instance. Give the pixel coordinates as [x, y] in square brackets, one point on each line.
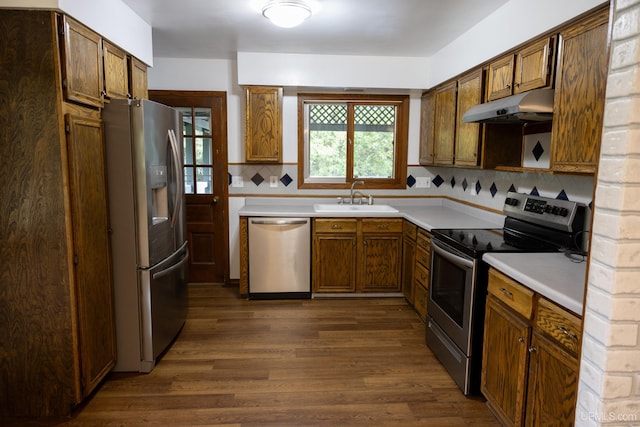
[220, 28]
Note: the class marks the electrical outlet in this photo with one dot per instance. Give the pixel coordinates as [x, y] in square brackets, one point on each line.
[423, 182]
[237, 181]
[273, 181]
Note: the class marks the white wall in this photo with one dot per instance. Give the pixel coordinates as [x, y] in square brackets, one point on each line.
[112, 19]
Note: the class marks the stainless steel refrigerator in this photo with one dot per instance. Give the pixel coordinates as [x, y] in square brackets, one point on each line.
[147, 215]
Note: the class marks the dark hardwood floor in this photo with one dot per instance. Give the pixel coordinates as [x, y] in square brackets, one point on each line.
[320, 362]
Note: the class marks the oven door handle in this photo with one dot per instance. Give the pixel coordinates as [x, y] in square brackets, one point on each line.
[451, 254]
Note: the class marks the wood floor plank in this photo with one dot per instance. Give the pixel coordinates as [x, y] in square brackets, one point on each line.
[320, 362]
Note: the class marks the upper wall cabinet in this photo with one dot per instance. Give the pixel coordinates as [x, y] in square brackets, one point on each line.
[138, 79]
[427, 128]
[467, 145]
[263, 124]
[81, 52]
[580, 92]
[116, 74]
[445, 124]
[528, 68]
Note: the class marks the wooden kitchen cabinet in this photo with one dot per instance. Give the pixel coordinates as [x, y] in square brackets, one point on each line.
[427, 128]
[263, 124]
[445, 124]
[504, 362]
[56, 280]
[409, 231]
[578, 108]
[468, 135]
[422, 268]
[356, 254]
[138, 79]
[334, 255]
[530, 349]
[116, 71]
[81, 58]
[530, 67]
[380, 255]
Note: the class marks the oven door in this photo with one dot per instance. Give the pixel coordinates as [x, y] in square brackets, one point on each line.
[451, 293]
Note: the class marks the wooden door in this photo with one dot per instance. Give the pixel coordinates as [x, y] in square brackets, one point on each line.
[91, 250]
[470, 89]
[263, 124]
[533, 66]
[445, 124]
[82, 68]
[578, 109]
[553, 384]
[334, 255]
[427, 128]
[504, 362]
[116, 73]
[500, 78]
[206, 180]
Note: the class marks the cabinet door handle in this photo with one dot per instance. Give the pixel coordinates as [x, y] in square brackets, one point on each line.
[521, 340]
[506, 293]
[532, 349]
[567, 332]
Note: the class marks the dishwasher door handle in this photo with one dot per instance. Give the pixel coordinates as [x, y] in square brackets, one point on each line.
[279, 221]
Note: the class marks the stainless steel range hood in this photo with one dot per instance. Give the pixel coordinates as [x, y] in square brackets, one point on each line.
[532, 106]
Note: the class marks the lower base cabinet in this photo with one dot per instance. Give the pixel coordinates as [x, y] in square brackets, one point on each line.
[529, 363]
[357, 255]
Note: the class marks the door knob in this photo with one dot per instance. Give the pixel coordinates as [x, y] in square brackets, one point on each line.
[215, 199]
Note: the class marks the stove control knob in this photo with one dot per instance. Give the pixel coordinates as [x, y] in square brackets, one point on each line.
[511, 202]
[564, 211]
[555, 210]
[548, 208]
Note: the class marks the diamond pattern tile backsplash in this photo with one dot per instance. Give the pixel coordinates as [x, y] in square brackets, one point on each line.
[477, 186]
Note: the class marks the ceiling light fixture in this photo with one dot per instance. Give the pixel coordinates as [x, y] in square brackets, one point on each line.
[286, 13]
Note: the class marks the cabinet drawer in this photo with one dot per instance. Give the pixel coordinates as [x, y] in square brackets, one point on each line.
[510, 292]
[559, 324]
[336, 225]
[423, 256]
[423, 239]
[409, 230]
[420, 300]
[382, 225]
[421, 274]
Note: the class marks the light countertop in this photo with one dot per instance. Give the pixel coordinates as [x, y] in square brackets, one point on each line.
[428, 215]
[552, 275]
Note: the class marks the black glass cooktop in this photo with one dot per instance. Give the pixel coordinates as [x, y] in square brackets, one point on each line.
[475, 242]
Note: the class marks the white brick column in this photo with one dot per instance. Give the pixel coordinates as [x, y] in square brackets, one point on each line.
[609, 390]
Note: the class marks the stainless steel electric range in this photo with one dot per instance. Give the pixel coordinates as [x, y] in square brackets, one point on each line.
[458, 285]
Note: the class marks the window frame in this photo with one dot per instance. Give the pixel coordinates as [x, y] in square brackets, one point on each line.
[401, 102]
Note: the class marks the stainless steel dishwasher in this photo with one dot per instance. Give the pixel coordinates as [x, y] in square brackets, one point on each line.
[279, 258]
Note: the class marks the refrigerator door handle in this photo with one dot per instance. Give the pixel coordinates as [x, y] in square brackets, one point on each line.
[173, 267]
[175, 151]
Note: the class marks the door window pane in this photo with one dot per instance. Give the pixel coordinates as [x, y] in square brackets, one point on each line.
[204, 180]
[186, 120]
[188, 180]
[202, 125]
[203, 151]
[188, 150]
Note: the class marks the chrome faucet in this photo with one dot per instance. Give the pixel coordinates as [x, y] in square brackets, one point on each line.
[351, 194]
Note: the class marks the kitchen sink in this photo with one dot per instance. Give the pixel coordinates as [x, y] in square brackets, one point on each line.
[335, 208]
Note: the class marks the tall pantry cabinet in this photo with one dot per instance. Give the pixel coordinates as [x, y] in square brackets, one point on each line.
[57, 340]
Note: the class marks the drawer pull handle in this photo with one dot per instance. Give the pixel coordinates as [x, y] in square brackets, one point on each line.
[567, 333]
[383, 227]
[506, 293]
[336, 226]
